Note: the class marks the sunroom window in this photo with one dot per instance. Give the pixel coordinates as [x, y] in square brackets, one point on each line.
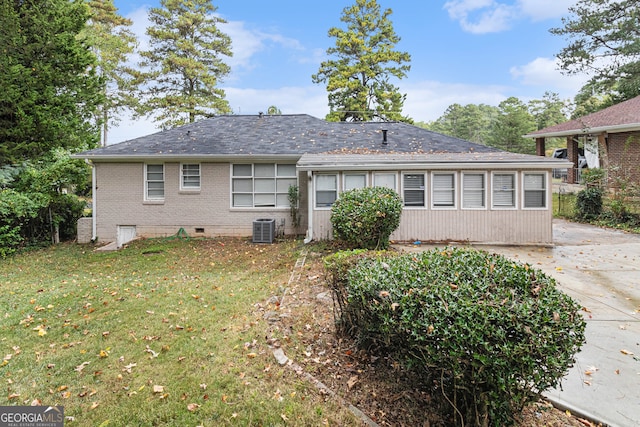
[326, 190]
[473, 191]
[504, 190]
[413, 189]
[444, 190]
[535, 193]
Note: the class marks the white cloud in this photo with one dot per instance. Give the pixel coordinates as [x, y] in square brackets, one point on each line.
[545, 73]
[490, 16]
[539, 10]
[481, 16]
[428, 100]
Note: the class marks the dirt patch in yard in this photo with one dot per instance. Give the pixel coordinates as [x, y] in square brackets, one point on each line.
[302, 324]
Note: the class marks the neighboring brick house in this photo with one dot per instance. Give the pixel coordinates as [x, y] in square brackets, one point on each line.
[219, 176]
[611, 136]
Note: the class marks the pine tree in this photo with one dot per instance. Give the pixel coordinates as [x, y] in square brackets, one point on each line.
[112, 42]
[183, 65]
[359, 77]
[604, 43]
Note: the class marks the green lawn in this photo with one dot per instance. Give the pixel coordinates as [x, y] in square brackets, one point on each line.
[165, 332]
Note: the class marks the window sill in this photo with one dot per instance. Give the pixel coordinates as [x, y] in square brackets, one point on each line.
[153, 202]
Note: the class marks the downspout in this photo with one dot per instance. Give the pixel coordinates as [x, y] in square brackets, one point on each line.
[310, 198]
[93, 199]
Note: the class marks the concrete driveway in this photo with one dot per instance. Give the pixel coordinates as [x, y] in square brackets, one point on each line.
[601, 270]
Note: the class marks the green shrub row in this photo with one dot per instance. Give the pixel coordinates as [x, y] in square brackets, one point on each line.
[491, 333]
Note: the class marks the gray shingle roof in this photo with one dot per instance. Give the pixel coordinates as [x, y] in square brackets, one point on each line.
[284, 135]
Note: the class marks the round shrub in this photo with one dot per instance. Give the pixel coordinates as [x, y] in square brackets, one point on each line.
[366, 217]
[491, 333]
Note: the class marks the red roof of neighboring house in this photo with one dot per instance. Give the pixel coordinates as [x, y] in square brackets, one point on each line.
[621, 117]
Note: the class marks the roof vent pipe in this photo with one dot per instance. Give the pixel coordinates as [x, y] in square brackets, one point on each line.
[384, 137]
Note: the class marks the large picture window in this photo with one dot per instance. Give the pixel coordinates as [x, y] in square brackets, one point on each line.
[535, 193]
[154, 182]
[444, 190]
[262, 184]
[326, 190]
[190, 176]
[413, 189]
[473, 191]
[504, 190]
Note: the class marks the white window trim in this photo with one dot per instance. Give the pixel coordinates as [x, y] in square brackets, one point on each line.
[515, 190]
[315, 190]
[424, 190]
[455, 190]
[484, 201]
[545, 175]
[146, 183]
[253, 191]
[190, 189]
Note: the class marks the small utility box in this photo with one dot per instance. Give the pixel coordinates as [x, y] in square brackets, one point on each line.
[264, 230]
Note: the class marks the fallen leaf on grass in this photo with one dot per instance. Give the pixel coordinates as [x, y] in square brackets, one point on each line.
[94, 405]
[192, 407]
[128, 368]
[81, 366]
[352, 381]
[158, 389]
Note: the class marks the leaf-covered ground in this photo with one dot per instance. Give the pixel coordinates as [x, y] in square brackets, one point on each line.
[378, 387]
[170, 332]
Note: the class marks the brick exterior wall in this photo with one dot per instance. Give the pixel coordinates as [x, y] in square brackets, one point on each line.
[623, 158]
[204, 213]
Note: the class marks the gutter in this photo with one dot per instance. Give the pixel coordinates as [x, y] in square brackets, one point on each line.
[629, 127]
[309, 236]
[94, 230]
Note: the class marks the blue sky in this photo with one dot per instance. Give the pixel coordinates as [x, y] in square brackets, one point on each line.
[462, 51]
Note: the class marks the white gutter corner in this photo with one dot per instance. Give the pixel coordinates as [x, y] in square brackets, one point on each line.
[309, 236]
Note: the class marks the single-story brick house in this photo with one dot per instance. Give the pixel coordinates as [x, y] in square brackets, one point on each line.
[220, 176]
[610, 139]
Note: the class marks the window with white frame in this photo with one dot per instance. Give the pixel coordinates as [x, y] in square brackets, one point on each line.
[326, 190]
[535, 192]
[384, 179]
[354, 180]
[413, 189]
[444, 190]
[190, 176]
[473, 191]
[154, 182]
[504, 190]
[262, 184]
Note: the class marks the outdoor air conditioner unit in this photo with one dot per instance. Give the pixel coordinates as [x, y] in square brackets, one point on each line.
[264, 230]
